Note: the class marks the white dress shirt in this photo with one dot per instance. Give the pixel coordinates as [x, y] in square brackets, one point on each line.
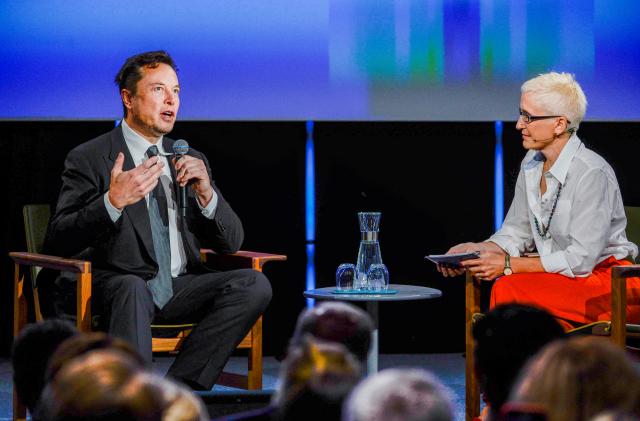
[138, 146]
[589, 222]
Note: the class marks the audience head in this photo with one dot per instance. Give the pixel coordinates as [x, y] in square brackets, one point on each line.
[86, 343]
[337, 322]
[400, 395]
[576, 379]
[31, 352]
[505, 338]
[108, 384]
[314, 380]
[558, 94]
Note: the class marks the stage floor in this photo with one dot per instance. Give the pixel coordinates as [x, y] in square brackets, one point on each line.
[448, 367]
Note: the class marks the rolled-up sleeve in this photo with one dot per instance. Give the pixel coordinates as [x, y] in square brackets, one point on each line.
[515, 237]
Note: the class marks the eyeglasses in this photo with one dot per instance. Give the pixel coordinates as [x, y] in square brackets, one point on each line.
[528, 118]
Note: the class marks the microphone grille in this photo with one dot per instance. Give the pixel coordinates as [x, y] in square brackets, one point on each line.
[180, 147]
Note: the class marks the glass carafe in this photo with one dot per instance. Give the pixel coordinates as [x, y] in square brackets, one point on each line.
[369, 252]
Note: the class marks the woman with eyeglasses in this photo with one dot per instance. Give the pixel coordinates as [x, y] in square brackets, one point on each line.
[567, 208]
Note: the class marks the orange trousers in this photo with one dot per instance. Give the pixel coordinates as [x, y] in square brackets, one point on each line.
[573, 301]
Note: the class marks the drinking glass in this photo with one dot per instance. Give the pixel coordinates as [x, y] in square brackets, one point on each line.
[345, 277]
[378, 277]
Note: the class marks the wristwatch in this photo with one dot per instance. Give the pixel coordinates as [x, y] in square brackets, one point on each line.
[507, 265]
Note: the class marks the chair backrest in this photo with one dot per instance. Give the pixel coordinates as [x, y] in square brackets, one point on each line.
[36, 218]
[633, 224]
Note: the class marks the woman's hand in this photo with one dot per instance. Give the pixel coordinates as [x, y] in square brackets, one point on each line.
[460, 248]
[487, 267]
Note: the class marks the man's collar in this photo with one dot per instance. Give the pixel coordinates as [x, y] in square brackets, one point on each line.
[135, 141]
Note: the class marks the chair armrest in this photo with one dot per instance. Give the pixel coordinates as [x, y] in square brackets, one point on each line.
[630, 271]
[83, 287]
[51, 262]
[241, 259]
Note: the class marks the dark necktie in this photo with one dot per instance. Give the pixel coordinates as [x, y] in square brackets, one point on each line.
[160, 286]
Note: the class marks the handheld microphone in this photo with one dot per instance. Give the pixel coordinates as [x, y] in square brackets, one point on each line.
[180, 148]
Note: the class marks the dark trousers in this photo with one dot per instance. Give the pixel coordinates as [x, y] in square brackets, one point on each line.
[224, 305]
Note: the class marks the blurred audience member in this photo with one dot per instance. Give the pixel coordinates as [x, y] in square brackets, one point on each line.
[108, 384]
[315, 378]
[505, 338]
[409, 394]
[615, 416]
[87, 342]
[337, 322]
[31, 352]
[576, 379]
[327, 322]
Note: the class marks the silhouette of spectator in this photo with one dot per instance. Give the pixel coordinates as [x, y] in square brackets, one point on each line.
[328, 322]
[85, 343]
[315, 378]
[576, 379]
[109, 385]
[505, 338]
[335, 321]
[408, 394]
[31, 352]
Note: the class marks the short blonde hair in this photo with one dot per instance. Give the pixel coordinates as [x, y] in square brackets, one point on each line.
[558, 94]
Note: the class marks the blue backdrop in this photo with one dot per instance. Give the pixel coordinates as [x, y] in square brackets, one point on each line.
[320, 59]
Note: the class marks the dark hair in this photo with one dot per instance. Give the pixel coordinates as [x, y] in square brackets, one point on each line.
[336, 322]
[31, 352]
[131, 71]
[506, 337]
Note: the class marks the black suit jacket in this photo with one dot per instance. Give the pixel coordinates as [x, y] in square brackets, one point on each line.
[82, 228]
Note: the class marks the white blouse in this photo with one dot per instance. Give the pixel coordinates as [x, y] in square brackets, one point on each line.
[588, 225]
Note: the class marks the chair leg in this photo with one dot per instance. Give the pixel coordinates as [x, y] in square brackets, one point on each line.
[19, 410]
[254, 380]
[472, 389]
[19, 322]
[618, 308]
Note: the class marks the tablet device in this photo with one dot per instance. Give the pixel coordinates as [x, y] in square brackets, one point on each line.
[452, 260]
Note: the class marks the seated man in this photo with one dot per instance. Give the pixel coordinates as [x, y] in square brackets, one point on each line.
[567, 206]
[118, 208]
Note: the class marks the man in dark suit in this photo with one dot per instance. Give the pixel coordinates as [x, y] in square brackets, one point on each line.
[118, 207]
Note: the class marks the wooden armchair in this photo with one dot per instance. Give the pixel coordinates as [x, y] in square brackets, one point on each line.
[36, 218]
[617, 329]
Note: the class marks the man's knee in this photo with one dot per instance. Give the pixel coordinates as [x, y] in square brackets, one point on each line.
[128, 284]
[256, 287]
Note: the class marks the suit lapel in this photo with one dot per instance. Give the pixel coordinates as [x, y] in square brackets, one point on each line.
[137, 213]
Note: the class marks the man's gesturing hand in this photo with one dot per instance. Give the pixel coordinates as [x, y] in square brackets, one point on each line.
[192, 171]
[129, 187]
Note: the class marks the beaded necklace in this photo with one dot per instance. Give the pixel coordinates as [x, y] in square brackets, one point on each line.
[542, 233]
